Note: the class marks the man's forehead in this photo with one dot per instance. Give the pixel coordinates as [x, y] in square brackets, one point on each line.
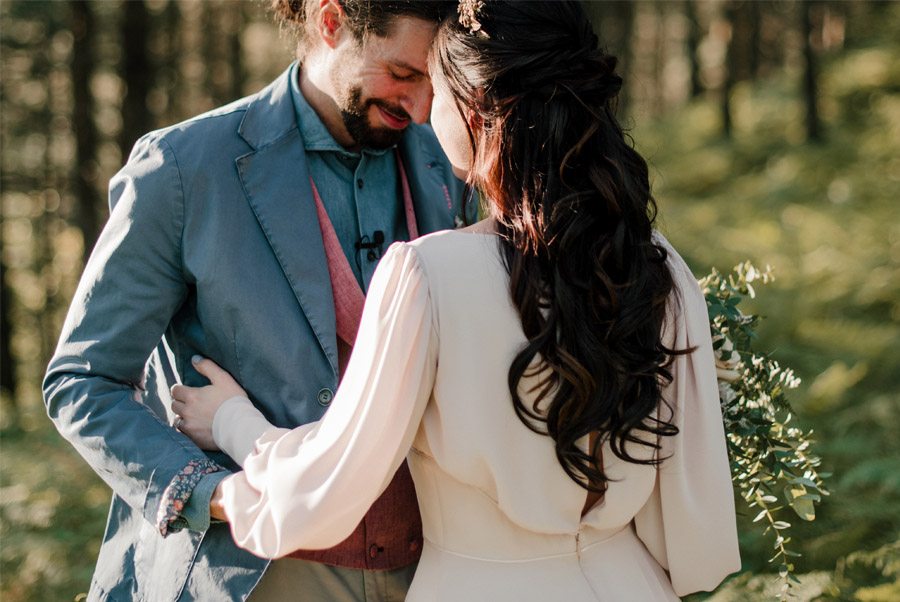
[406, 43]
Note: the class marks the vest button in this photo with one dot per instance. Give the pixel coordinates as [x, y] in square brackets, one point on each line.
[374, 550]
[414, 545]
[324, 397]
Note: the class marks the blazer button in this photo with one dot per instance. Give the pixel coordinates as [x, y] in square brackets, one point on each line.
[375, 550]
[325, 396]
[414, 545]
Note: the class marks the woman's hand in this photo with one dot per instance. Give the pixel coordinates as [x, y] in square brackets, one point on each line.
[196, 406]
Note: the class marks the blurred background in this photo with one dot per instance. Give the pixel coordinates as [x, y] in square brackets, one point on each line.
[773, 134]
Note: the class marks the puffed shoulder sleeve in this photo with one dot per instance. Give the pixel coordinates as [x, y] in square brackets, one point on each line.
[688, 524]
[308, 488]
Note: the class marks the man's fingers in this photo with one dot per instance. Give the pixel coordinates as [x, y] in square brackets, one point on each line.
[208, 368]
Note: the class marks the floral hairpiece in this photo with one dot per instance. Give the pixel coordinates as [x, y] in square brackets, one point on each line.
[468, 14]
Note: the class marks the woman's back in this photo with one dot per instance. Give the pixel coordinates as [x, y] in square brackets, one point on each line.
[495, 499]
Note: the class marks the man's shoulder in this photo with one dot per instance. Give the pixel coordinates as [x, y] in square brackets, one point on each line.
[218, 128]
[210, 128]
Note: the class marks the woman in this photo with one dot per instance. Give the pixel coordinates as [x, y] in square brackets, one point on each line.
[548, 374]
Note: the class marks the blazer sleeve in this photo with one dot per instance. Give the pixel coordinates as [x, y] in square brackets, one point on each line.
[131, 287]
[309, 487]
[688, 524]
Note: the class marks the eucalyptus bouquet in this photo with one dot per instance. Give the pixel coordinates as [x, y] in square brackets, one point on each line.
[772, 464]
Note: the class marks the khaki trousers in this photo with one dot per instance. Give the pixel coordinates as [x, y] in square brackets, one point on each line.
[294, 580]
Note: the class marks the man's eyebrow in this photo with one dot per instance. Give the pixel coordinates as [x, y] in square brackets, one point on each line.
[408, 67]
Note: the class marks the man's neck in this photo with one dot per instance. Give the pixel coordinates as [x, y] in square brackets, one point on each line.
[325, 107]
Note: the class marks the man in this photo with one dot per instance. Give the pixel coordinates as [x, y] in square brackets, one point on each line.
[217, 240]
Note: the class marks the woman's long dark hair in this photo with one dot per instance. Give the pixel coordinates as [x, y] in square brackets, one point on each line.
[574, 211]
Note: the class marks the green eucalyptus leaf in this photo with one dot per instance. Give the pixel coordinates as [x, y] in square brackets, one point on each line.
[766, 454]
[804, 508]
[780, 524]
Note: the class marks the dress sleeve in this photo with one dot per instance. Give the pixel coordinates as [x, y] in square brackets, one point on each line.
[308, 488]
[689, 524]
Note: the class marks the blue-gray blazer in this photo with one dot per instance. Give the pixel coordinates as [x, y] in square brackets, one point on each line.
[212, 241]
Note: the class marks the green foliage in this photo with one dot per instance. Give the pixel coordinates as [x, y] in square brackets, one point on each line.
[826, 216]
[771, 461]
[52, 512]
[868, 576]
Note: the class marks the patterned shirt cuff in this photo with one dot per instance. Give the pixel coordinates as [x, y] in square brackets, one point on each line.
[196, 509]
[179, 490]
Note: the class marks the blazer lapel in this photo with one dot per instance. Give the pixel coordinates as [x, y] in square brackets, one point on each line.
[436, 192]
[276, 182]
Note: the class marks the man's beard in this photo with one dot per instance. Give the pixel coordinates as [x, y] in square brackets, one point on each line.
[356, 120]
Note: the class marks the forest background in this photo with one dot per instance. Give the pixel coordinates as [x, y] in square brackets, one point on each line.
[772, 130]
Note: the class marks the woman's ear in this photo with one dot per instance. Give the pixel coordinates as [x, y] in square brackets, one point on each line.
[329, 22]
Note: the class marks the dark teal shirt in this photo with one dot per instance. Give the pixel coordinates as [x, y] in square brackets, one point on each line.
[360, 190]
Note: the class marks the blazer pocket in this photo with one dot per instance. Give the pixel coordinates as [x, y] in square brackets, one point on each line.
[162, 564]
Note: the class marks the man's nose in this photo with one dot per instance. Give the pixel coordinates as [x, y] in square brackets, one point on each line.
[418, 102]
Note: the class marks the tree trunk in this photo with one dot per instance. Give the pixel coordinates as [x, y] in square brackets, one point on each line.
[753, 57]
[729, 12]
[170, 62]
[85, 181]
[235, 51]
[136, 70]
[810, 74]
[210, 36]
[7, 362]
[693, 45]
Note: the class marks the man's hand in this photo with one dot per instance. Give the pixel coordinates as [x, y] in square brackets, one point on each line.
[196, 406]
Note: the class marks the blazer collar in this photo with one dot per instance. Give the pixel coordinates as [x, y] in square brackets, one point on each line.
[275, 179]
[271, 114]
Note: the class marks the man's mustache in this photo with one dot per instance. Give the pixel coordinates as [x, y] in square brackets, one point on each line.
[395, 110]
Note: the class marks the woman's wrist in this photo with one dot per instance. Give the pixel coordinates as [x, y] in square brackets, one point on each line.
[236, 426]
[216, 505]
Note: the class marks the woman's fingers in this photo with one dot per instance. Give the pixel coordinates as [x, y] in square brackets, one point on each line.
[184, 393]
[193, 419]
[208, 368]
[179, 407]
[222, 384]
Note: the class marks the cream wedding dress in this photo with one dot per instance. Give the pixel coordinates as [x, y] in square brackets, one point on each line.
[502, 522]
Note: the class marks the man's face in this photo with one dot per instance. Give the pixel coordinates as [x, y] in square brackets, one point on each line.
[381, 84]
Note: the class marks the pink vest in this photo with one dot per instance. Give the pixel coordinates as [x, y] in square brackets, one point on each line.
[390, 534]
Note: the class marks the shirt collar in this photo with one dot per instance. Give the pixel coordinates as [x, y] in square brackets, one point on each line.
[316, 136]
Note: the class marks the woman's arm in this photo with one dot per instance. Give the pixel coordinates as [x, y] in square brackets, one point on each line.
[688, 524]
[309, 487]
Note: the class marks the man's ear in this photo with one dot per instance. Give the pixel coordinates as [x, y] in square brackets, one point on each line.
[329, 22]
